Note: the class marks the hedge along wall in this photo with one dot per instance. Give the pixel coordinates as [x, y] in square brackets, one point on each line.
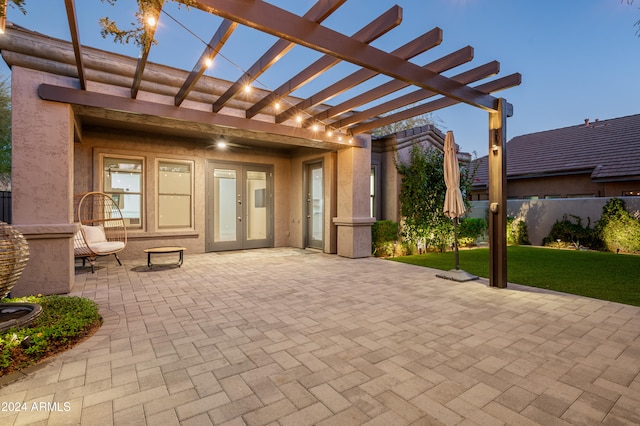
[540, 215]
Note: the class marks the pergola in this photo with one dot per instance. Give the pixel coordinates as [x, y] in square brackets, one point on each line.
[330, 126]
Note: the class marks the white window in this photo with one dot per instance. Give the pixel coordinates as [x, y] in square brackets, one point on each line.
[175, 188]
[122, 180]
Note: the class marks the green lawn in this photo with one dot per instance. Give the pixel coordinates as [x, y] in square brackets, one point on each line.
[607, 276]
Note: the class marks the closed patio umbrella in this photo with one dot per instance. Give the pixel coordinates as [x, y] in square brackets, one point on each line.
[453, 203]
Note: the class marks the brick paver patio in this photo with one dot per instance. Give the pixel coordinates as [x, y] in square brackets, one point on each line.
[292, 337]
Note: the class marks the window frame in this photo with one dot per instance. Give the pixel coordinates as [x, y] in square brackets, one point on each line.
[106, 155]
[157, 194]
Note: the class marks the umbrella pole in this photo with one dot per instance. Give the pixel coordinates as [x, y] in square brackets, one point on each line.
[455, 241]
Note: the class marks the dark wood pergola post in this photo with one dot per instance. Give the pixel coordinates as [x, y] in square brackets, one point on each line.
[498, 194]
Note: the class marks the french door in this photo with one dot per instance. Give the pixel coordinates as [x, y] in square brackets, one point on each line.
[239, 206]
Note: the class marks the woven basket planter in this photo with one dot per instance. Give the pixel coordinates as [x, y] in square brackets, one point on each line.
[14, 254]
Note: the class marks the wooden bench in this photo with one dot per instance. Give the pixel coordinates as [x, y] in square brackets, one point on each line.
[165, 250]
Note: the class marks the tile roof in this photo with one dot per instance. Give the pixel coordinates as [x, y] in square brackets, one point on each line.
[607, 149]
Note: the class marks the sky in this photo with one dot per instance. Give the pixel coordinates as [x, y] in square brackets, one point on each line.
[579, 59]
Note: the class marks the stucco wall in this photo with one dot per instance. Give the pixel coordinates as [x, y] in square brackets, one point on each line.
[540, 215]
[42, 135]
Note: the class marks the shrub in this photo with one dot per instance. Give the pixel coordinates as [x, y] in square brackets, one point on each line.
[383, 234]
[618, 229]
[469, 229]
[565, 233]
[64, 321]
[517, 232]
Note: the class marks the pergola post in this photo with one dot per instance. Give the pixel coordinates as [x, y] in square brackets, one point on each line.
[498, 194]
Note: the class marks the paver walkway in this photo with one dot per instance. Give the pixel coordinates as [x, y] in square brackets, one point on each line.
[291, 337]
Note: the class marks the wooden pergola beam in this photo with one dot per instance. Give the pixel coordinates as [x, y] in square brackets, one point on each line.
[138, 107]
[496, 85]
[75, 40]
[318, 13]
[415, 47]
[372, 31]
[445, 63]
[289, 26]
[142, 61]
[220, 37]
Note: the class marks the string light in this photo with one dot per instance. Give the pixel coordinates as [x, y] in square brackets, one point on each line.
[151, 21]
[247, 87]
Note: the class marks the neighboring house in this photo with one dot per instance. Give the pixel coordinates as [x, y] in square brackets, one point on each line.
[592, 159]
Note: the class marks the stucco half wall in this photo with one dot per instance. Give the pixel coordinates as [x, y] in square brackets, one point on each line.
[540, 215]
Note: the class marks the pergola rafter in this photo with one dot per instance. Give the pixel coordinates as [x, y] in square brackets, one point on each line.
[75, 40]
[149, 32]
[217, 41]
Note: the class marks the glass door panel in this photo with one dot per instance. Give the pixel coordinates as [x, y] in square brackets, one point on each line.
[315, 205]
[225, 208]
[256, 207]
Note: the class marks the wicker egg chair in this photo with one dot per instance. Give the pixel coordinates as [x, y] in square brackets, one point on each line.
[102, 228]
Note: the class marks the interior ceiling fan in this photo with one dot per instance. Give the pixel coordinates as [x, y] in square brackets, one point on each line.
[223, 144]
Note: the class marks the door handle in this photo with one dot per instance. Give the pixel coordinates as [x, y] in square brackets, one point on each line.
[239, 219]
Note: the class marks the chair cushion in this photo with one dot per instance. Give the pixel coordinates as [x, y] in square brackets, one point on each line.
[106, 247]
[94, 234]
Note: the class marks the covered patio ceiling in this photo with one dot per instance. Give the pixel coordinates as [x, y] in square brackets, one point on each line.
[409, 90]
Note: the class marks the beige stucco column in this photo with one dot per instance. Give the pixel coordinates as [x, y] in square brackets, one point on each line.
[42, 184]
[353, 219]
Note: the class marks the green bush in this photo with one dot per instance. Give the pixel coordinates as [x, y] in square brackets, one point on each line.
[565, 233]
[63, 322]
[470, 229]
[618, 229]
[383, 234]
[517, 232]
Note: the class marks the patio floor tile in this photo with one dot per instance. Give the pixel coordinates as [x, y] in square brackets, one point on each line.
[288, 336]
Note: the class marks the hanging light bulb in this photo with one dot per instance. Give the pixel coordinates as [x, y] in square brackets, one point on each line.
[298, 118]
[151, 21]
[314, 127]
[277, 106]
[330, 133]
[247, 88]
[208, 62]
